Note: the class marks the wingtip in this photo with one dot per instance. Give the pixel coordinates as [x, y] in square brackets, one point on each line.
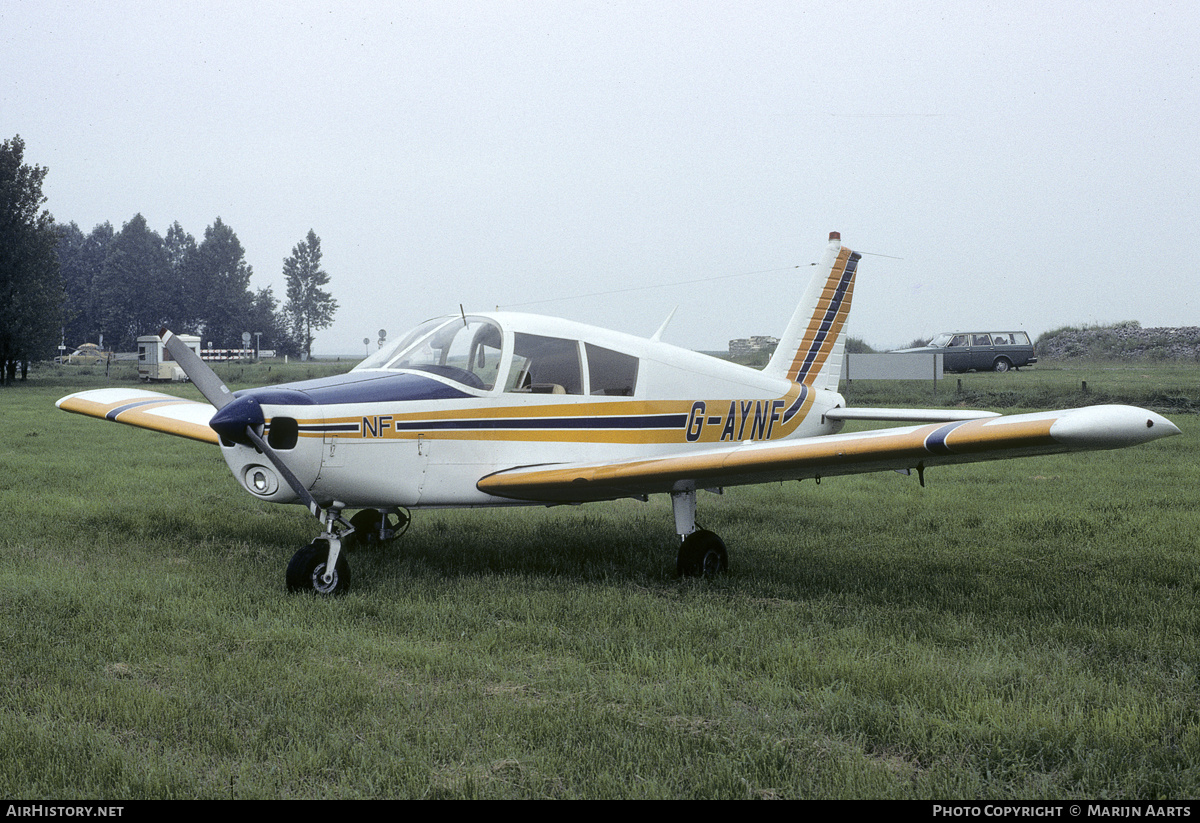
[1112, 426]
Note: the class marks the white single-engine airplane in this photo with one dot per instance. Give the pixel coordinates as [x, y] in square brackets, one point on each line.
[499, 409]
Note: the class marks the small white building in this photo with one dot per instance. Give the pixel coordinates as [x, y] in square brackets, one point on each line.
[156, 363]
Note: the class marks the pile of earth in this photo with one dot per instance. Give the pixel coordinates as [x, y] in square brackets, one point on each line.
[1125, 341]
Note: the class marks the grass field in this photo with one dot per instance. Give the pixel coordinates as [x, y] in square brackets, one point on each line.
[1022, 629]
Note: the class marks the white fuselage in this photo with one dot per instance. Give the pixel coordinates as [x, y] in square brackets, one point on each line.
[424, 436]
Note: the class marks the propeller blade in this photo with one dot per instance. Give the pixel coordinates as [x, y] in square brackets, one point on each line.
[218, 394]
[204, 378]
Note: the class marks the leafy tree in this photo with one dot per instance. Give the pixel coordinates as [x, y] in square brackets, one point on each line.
[181, 259]
[133, 288]
[80, 260]
[269, 323]
[72, 273]
[309, 308]
[219, 285]
[31, 292]
[179, 245]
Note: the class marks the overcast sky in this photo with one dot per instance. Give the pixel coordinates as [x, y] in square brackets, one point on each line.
[1003, 165]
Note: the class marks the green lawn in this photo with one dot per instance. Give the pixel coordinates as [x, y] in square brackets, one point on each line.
[1020, 629]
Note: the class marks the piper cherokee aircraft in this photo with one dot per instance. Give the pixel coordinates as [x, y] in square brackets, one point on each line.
[501, 409]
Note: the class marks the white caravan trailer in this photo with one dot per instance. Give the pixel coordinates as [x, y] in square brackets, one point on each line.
[156, 363]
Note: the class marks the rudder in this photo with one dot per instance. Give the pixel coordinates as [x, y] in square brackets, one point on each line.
[810, 351]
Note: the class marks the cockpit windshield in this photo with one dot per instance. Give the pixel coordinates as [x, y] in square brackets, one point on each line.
[466, 350]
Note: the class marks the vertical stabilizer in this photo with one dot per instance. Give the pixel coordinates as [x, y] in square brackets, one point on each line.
[810, 351]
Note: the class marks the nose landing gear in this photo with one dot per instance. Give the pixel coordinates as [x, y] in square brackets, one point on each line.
[307, 570]
[321, 567]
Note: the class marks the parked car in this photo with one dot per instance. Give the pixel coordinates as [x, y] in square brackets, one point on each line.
[981, 351]
[88, 354]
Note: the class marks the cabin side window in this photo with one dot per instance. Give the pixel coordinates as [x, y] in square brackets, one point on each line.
[544, 365]
[611, 373]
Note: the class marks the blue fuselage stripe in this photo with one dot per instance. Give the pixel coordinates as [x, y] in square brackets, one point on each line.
[795, 407]
[669, 421]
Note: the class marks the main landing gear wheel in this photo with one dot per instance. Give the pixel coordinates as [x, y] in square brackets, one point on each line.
[702, 554]
[373, 528]
[366, 530]
[376, 527]
[306, 571]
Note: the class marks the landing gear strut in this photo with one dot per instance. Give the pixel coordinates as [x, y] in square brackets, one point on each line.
[321, 567]
[702, 553]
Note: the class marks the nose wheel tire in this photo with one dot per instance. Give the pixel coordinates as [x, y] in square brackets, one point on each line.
[702, 554]
[306, 571]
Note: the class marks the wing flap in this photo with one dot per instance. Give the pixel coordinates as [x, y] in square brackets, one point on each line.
[963, 441]
[145, 409]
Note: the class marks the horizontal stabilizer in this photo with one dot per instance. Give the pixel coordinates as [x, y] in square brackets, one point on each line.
[146, 410]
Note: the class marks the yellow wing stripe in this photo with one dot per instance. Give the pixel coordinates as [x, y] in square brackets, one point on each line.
[147, 410]
[765, 462]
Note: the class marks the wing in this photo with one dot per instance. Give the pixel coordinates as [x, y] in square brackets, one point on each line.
[996, 438]
[145, 409]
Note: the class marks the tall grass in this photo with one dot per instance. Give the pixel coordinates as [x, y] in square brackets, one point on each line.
[1013, 630]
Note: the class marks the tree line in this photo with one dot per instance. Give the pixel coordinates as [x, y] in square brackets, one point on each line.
[59, 284]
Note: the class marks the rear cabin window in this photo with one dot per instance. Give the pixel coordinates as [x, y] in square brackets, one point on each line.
[611, 373]
[544, 365]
